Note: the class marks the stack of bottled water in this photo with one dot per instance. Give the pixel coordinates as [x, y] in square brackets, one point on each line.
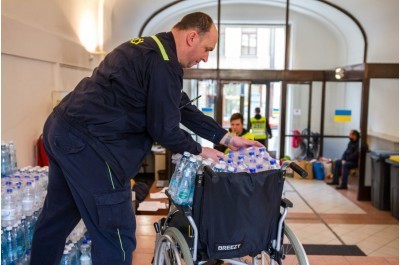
[181, 188]
[248, 160]
[23, 191]
[22, 196]
[77, 250]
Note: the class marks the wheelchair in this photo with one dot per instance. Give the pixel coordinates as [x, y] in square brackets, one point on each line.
[223, 206]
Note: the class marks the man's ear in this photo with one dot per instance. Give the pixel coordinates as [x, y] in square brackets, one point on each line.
[190, 37]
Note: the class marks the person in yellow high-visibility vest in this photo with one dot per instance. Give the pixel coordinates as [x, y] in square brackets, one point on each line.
[260, 127]
[236, 129]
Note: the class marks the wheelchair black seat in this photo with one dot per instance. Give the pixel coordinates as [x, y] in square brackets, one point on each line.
[236, 213]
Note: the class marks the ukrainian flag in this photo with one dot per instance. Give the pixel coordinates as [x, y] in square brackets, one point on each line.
[342, 115]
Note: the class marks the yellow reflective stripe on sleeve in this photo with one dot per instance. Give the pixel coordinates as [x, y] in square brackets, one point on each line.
[163, 52]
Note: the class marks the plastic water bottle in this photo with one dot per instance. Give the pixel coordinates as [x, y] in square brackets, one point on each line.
[23, 227]
[20, 240]
[5, 161]
[28, 199]
[65, 258]
[252, 165]
[232, 169]
[26, 260]
[29, 229]
[273, 164]
[74, 253]
[8, 209]
[219, 167]
[85, 258]
[4, 250]
[13, 156]
[11, 245]
[242, 167]
[177, 175]
[187, 182]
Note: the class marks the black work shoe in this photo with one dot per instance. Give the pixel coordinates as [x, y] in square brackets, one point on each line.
[341, 188]
[332, 183]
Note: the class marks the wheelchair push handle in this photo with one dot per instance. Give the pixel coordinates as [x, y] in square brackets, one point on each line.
[296, 168]
[211, 172]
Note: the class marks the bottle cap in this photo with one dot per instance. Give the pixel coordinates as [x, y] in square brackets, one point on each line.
[186, 153]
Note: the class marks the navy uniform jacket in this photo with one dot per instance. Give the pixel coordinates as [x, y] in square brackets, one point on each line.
[131, 100]
[352, 153]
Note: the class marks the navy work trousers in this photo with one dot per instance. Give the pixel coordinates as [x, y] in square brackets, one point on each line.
[81, 185]
[345, 171]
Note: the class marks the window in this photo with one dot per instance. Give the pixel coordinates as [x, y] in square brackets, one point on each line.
[249, 42]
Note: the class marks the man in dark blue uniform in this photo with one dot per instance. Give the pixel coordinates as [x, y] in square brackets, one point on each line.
[98, 135]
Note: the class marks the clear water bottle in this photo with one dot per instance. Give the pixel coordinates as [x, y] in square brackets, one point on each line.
[29, 229]
[232, 169]
[26, 260]
[4, 250]
[74, 253]
[11, 245]
[177, 175]
[8, 209]
[252, 165]
[219, 167]
[273, 164]
[88, 240]
[5, 161]
[187, 182]
[65, 258]
[20, 240]
[242, 167]
[85, 258]
[13, 156]
[252, 170]
[23, 227]
[28, 199]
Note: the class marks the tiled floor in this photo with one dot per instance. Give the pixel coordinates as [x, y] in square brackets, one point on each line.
[321, 215]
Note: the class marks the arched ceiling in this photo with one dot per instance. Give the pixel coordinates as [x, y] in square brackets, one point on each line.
[127, 17]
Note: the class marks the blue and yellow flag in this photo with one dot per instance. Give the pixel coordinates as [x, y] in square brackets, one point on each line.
[342, 115]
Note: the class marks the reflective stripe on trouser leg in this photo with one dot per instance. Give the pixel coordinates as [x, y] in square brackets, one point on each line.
[119, 235]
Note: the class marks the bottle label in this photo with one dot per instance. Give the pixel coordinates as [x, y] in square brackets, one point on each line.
[7, 214]
[27, 204]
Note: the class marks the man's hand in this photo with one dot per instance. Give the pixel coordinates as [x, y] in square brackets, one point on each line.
[207, 152]
[236, 142]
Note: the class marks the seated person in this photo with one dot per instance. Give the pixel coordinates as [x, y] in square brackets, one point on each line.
[349, 161]
[236, 129]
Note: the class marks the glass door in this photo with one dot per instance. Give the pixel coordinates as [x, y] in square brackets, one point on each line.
[303, 108]
[235, 100]
[267, 98]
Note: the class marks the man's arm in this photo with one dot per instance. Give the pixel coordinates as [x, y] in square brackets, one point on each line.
[199, 123]
[163, 115]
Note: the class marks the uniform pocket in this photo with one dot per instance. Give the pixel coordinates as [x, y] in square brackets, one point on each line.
[115, 210]
[69, 143]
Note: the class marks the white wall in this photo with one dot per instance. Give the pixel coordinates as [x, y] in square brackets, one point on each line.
[42, 49]
[41, 53]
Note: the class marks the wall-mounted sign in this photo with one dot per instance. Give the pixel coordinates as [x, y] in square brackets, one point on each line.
[342, 115]
[208, 111]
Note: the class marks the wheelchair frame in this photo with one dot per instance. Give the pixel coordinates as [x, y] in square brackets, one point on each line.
[181, 248]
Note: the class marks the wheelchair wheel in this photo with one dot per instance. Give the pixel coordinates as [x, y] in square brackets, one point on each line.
[292, 249]
[172, 249]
